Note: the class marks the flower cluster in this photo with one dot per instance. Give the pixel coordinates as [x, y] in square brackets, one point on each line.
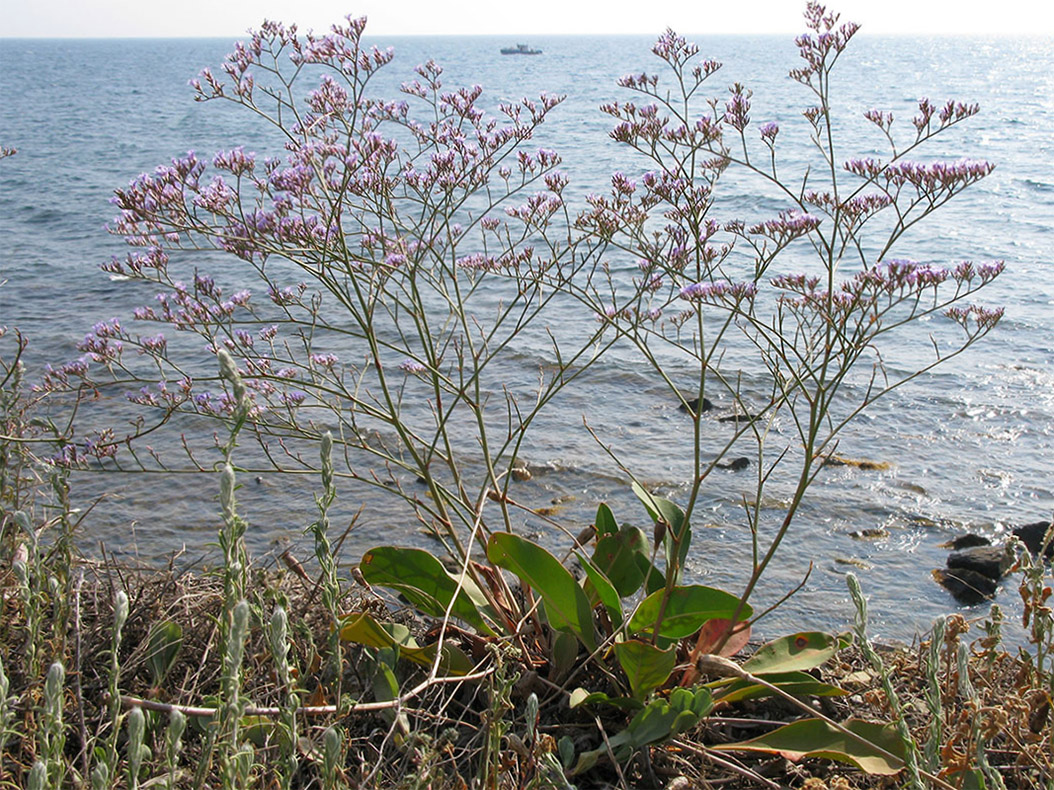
[788, 226]
[950, 113]
[930, 180]
[737, 108]
[822, 47]
[412, 366]
[719, 291]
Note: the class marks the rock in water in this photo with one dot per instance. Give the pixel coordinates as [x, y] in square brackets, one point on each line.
[990, 561]
[736, 464]
[966, 586]
[1032, 536]
[692, 406]
[967, 541]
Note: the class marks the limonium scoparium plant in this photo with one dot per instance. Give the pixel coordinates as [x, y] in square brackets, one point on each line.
[399, 252]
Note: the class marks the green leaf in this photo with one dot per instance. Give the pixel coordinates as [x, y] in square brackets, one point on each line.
[605, 521]
[421, 578]
[364, 630]
[163, 646]
[798, 684]
[678, 535]
[563, 655]
[817, 738]
[361, 628]
[687, 609]
[793, 652]
[582, 696]
[623, 558]
[659, 508]
[600, 590]
[386, 689]
[566, 604]
[646, 666]
[659, 720]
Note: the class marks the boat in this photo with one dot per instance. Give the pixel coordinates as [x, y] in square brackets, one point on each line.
[520, 49]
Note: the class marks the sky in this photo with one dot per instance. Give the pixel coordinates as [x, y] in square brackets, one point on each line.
[232, 18]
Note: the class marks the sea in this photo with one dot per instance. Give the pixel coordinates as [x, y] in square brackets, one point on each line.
[968, 447]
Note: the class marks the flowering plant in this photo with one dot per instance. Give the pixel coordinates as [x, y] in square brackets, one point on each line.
[404, 251]
[404, 256]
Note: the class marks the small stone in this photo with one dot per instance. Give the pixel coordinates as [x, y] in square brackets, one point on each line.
[990, 561]
[520, 470]
[692, 406]
[853, 561]
[870, 534]
[737, 418]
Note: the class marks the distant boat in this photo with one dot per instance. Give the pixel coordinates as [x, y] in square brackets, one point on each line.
[520, 49]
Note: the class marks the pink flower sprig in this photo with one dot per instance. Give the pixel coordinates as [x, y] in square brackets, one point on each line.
[786, 227]
[674, 49]
[737, 108]
[719, 291]
[821, 48]
[975, 318]
[936, 180]
[950, 113]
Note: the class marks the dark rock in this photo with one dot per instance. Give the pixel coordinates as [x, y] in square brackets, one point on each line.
[990, 561]
[1032, 536]
[966, 542]
[735, 465]
[692, 406]
[966, 586]
[739, 418]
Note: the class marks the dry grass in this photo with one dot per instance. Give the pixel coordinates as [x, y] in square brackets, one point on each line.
[458, 735]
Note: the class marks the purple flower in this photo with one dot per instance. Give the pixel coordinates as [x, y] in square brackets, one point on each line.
[737, 108]
[293, 398]
[324, 360]
[718, 291]
[412, 366]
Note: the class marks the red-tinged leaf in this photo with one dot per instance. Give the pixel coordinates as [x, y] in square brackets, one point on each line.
[713, 631]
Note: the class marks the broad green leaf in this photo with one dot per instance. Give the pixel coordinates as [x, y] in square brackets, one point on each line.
[364, 630]
[686, 610]
[798, 684]
[817, 738]
[806, 650]
[563, 655]
[566, 604]
[600, 590]
[421, 578]
[646, 666]
[653, 577]
[605, 521]
[163, 646]
[361, 628]
[386, 689]
[582, 696]
[623, 559]
[658, 507]
[678, 535]
[262, 731]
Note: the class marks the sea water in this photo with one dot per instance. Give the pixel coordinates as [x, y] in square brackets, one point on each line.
[969, 446]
